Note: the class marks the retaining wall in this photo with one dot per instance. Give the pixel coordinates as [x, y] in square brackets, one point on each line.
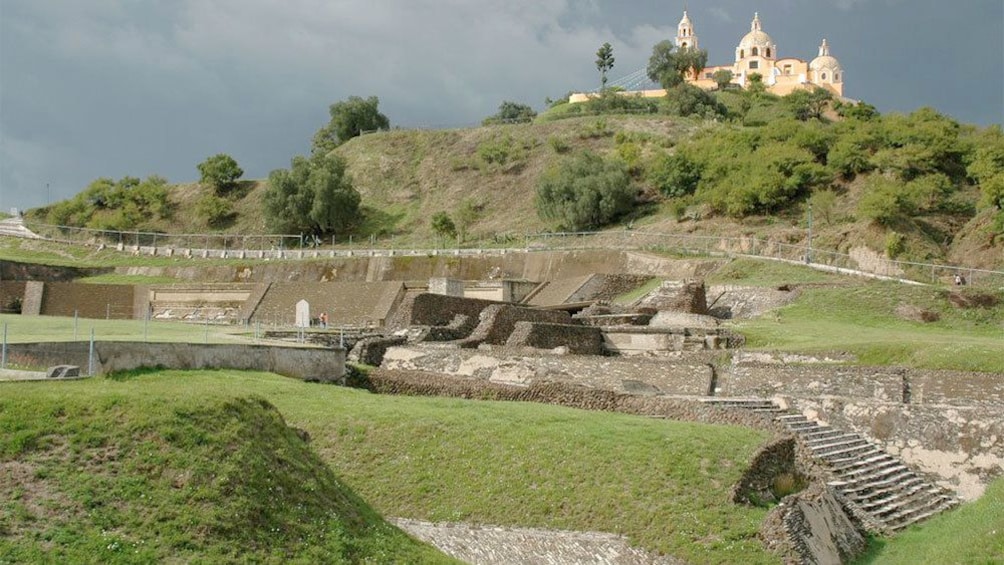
[111, 356]
[440, 310]
[498, 321]
[11, 291]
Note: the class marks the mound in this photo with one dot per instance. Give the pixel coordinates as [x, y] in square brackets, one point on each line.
[161, 481]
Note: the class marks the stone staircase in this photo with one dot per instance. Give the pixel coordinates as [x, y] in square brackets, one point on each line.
[875, 486]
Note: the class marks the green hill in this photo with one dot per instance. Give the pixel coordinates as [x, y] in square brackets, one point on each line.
[118, 476]
[174, 465]
[916, 187]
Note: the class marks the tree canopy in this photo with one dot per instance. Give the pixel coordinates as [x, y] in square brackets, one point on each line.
[670, 67]
[511, 113]
[584, 192]
[349, 118]
[604, 63]
[220, 171]
[315, 196]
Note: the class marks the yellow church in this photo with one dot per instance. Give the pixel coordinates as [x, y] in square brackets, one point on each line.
[757, 54]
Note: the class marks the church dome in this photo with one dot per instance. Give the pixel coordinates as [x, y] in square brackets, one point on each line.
[825, 61]
[756, 42]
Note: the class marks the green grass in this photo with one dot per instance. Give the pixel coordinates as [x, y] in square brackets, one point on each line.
[113, 278]
[630, 296]
[665, 485]
[105, 473]
[861, 320]
[761, 272]
[29, 329]
[972, 534]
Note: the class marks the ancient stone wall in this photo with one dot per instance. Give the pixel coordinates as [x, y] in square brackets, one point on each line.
[440, 310]
[634, 375]
[578, 340]
[112, 301]
[11, 295]
[352, 304]
[110, 356]
[498, 321]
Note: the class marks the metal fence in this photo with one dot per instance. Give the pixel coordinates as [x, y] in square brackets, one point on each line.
[287, 246]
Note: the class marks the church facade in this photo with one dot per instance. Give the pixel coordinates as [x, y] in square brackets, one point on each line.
[757, 54]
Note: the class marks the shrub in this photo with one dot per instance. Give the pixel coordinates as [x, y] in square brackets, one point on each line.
[500, 151]
[674, 175]
[214, 210]
[315, 196]
[688, 100]
[885, 201]
[895, 244]
[559, 145]
[824, 204]
[443, 226]
[511, 113]
[220, 171]
[584, 192]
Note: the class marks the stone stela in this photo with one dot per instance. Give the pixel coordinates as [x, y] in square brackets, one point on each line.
[303, 314]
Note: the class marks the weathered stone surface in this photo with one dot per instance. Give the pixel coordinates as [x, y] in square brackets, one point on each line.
[370, 350]
[497, 322]
[678, 296]
[578, 340]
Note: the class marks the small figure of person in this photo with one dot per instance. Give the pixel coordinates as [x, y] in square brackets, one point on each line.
[959, 280]
[323, 319]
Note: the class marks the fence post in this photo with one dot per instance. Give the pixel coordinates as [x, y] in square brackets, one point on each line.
[206, 338]
[90, 355]
[3, 356]
[75, 323]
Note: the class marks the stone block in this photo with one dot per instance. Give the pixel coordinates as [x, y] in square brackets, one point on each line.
[63, 372]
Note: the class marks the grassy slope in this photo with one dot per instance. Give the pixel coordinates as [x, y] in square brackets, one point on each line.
[663, 484]
[102, 474]
[858, 316]
[972, 534]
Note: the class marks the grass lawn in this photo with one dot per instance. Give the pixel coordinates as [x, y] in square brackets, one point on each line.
[972, 534]
[662, 484]
[862, 320]
[29, 329]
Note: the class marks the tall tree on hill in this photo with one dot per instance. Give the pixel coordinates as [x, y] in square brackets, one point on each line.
[315, 196]
[349, 118]
[604, 63]
[723, 78]
[220, 171]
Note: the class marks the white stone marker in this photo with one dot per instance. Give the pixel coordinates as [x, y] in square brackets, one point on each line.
[302, 314]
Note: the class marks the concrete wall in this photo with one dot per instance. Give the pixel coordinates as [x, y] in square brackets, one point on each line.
[10, 291]
[111, 356]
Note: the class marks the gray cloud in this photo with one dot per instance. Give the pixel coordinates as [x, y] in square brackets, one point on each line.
[115, 87]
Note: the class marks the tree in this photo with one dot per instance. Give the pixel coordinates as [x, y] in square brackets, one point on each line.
[511, 113]
[723, 78]
[670, 67]
[349, 118]
[584, 192]
[675, 175]
[315, 196]
[604, 62]
[443, 225]
[756, 85]
[220, 171]
[824, 205]
[663, 66]
[808, 104]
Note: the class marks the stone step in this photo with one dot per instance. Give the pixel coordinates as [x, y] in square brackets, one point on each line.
[881, 497]
[857, 463]
[865, 471]
[905, 506]
[906, 520]
[878, 480]
[771, 410]
[850, 454]
[803, 427]
[823, 438]
[748, 403]
[809, 434]
[792, 418]
[841, 448]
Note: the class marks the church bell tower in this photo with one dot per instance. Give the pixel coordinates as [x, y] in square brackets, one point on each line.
[685, 36]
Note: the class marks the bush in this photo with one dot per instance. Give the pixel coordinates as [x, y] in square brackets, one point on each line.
[214, 210]
[584, 192]
[688, 100]
[885, 201]
[511, 113]
[559, 145]
[315, 196]
[895, 244]
[674, 175]
[501, 151]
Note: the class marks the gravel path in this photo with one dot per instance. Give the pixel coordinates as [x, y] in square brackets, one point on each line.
[492, 545]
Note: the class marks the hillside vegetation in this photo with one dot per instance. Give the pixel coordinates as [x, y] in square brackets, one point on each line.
[175, 463]
[918, 186]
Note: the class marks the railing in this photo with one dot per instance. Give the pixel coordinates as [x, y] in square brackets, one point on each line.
[286, 246]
